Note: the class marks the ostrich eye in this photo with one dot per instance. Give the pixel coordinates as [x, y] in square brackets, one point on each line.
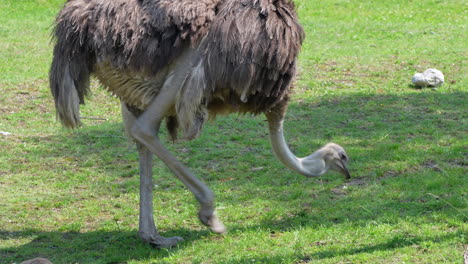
[343, 156]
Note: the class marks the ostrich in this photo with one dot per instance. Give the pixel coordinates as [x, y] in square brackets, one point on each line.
[183, 61]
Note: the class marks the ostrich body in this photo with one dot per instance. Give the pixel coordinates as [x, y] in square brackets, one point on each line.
[183, 61]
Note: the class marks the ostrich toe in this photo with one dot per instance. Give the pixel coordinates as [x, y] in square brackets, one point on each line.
[164, 242]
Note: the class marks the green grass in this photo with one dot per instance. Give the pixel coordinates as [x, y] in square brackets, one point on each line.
[72, 196]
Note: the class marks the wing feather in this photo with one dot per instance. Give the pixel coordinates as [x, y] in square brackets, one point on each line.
[251, 48]
[134, 34]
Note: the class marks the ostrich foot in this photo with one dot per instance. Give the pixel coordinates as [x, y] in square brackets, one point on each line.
[158, 241]
[210, 219]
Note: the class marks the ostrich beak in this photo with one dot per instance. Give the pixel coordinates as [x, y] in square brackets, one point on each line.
[343, 169]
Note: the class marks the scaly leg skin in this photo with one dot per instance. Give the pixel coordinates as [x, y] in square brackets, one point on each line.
[145, 131]
[147, 229]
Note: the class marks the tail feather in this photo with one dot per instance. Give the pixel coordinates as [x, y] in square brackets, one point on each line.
[66, 98]
[69, 75]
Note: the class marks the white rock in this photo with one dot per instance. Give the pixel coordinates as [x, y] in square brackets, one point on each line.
[419, 80]
[434, 77]
[430, 77]
[3, 133]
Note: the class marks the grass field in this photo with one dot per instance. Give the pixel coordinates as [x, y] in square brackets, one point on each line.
[72, 196]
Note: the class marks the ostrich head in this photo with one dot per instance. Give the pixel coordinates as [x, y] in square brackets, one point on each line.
[330, 157]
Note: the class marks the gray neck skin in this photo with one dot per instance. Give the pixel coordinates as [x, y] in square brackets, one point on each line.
[310, 166]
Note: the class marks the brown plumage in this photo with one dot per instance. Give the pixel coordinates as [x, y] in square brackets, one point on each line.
[246, 52]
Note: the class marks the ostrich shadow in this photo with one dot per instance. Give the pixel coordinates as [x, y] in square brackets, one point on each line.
[88, 247]
[395, 242]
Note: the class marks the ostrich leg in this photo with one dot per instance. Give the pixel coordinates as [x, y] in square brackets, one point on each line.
[145, 131]
[147, 229]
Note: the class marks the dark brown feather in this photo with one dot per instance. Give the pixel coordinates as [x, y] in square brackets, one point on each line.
[251, 49]
[246, 60]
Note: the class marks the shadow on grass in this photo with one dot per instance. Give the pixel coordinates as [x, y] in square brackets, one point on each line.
[397, 241]
[88, 247]
[123, 246]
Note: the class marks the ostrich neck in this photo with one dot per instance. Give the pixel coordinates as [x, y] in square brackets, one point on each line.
[310, 166]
